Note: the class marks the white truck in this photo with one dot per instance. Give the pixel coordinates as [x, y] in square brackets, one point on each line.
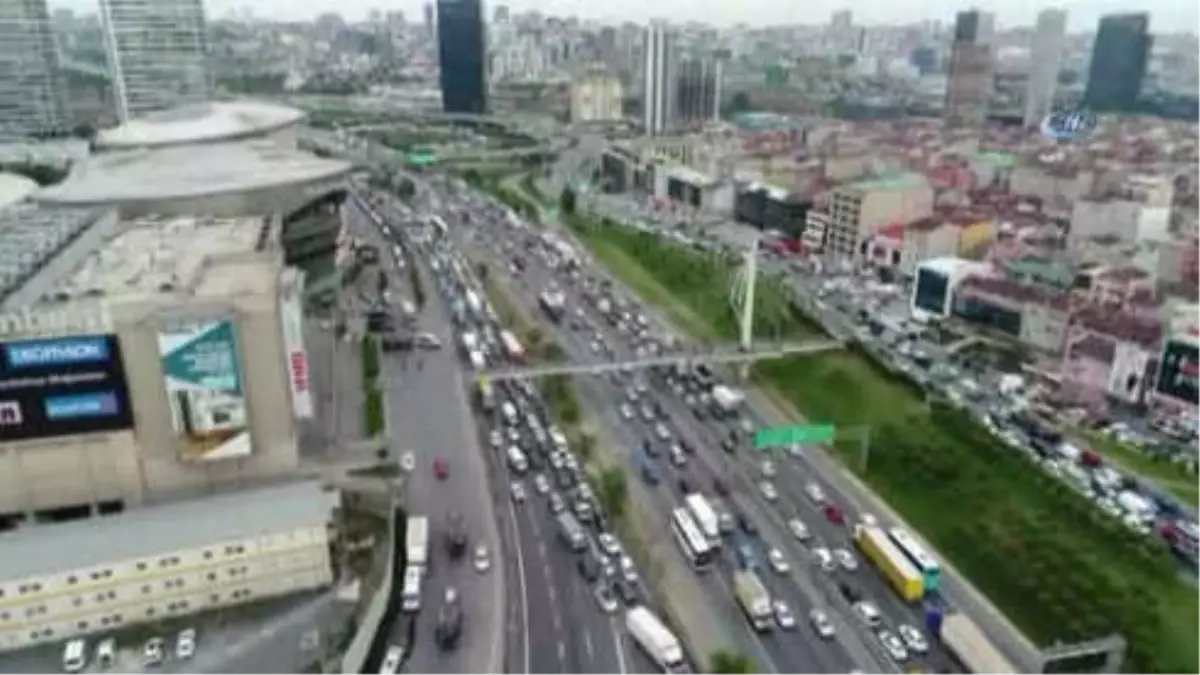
[752, 595]
[416, 541]
[726, 400]
[470, 341]
[553, 303]
[659, 643]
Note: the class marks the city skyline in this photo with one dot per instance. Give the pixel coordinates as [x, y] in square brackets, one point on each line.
[1082, 16]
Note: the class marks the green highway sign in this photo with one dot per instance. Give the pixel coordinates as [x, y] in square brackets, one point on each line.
[811, 434]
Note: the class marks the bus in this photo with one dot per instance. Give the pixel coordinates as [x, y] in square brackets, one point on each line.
[691, 540]
[571, 532]
[706, 518]
[931, 571]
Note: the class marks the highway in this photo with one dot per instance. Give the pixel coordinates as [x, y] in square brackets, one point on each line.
[800, 652]
[553, 623]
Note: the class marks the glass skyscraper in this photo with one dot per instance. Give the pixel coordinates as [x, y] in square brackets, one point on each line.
[462, 54]
[31, 92]
[1118, 62]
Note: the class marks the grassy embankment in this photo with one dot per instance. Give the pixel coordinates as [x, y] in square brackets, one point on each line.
[1060, 569]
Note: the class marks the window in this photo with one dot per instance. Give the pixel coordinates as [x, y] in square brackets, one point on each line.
[150, 611]
[208, 555]
[71, 580]
[112, 595]
[141, 567]
[212, 576]
[104, 621]
[146, 589]
[77, 602]
[215, 597]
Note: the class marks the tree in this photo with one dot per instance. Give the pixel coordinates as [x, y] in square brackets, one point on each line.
[566, 201]
[613, 491]
[587, 444]
[727, 661]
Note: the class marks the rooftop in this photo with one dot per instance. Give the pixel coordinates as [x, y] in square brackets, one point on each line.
[15, 188]
[997, 160]
[202, 123]
[152, 531]
[181, 172]
[29, 236]
[153, 255]
[890, 183]
[689, 175]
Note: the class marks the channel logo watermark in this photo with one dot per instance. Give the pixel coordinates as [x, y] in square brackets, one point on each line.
[1069, 125]
[57, 352]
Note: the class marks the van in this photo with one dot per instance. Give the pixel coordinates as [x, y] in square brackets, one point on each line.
[106, 653]
[410, 592]
[509, 411]
[75, 656]
[517, 462]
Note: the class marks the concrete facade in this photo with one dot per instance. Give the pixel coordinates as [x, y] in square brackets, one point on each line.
[596, 97]
[860, 209]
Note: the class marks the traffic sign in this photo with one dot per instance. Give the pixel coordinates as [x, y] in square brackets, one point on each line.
[796, 435]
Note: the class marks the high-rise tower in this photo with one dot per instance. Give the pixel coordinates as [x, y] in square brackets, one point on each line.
[658, 72]
[969, 82]
[31, 92]
[1118, 62]
[462, 55]
[1049, 38]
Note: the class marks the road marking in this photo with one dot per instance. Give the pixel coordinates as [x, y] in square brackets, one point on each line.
[542, 550]
[562, 652]
[524, 593]
[550, 590]
[618, 645]
[557, 619]
[587, 645]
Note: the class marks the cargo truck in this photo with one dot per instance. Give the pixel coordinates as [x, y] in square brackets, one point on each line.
[659, 643]
[754, 599]
[726, 400]
[553, 304]
[416, 541]
[900, 574]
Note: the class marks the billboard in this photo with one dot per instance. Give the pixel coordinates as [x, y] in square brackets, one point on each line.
[62, 386]
[203, 377]
[292, 320]
[1130, 367]
[1177, 374]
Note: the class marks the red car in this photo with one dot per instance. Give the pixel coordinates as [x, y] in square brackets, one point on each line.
[833, 513]
[441, 468]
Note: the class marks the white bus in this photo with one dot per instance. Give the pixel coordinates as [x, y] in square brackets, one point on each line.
[706, 518]
[931, 571]
[691, 540]
[410, 592]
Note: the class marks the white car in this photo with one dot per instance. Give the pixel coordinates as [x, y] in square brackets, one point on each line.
[609, 544]
[913, 639]
[894, 646]
[768, 468]
[662, 432]
[185, 644]
[777, 562]
[767, 488]
[846, 559]
[391, 661]
[628, 570]
[821, 624]
[799, 529]
[814, 492]
[541, 484]
[783, 615]
[824, 558]
[495, 439]
[154, 652]
[482, 559]
[606, 598]
[518, 492]
[678, 458]
[626, 411]
[868, 612]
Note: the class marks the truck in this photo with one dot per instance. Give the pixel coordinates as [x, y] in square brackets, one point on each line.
[659, 643]
[967, 643]
[754, 599]
[470, 341]
[416, 541]
[553, 303]
[571, 532]
[726, 400]
[900, 574]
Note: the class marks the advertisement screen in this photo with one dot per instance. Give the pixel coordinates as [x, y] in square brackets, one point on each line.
[292, 319]
[61, 386]
[1131, 365]
[1177, 375]
[203, 378]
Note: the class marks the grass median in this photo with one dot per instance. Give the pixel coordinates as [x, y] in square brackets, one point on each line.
[1060, 569]
[373, 413]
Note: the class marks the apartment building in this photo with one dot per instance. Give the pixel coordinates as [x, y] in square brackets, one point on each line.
[146, 565]
[860, 209]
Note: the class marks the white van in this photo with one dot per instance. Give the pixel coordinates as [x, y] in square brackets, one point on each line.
[559, 440]
[75, 656]
[509, 411]
[410, 593]
[516, 460]
[106, 653]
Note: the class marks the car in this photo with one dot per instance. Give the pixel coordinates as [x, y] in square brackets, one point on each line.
[557, 505]
[106, 653]
[606, 598]
[391, 660]
[627, 411]
[495, 439]
[441, 468]
[767, 488]
[518, 492]
[799, 529]
[628, 570]
[747, 525]
[783, 615]
[833, 513]
[541, 484]
[482, 559]
[589, 568]
[814, 492]
[895, 648]
[662, 432]
[428, 341]
[768, 468]
[609, 544]
[629, 592]
[824, 558]
[154, 652]
[821, 624]
[777, 562]
[913, 639]
[868, 612]
[729, 445]
[647, 413]
[846, 559]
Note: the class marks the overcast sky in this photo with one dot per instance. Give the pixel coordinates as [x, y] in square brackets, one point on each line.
[1166, 15]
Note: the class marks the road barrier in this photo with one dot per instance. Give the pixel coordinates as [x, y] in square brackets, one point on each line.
[370, 642]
